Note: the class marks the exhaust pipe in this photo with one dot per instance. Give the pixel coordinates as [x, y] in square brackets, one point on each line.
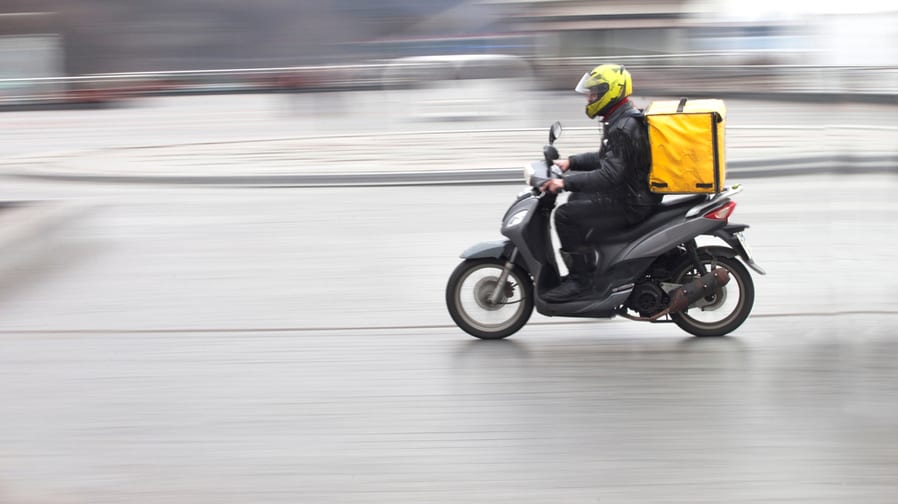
[686, 294]
[706, 285]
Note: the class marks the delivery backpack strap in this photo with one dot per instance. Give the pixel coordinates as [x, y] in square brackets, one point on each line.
[681, 106]
[639, 115]
[626, 146]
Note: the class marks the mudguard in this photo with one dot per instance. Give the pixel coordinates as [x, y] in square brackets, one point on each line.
[496, 249]
[731, 235]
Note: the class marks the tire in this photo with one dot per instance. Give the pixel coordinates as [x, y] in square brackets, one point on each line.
[469, 288]
[727, 309]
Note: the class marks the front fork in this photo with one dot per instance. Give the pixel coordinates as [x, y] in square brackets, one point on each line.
[500, 285]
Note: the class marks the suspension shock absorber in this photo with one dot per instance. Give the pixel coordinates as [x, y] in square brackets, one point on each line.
[503, 277]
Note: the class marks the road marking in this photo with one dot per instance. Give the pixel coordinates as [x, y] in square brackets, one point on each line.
[396, 327]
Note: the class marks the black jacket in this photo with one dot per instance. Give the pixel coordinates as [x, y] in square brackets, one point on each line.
[619, 172]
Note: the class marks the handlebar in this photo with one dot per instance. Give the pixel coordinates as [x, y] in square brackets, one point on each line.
[541, 172]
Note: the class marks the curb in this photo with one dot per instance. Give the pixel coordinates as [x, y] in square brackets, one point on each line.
[834, 165]
[453, 157]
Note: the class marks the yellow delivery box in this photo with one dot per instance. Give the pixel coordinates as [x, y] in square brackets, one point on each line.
[687, 139]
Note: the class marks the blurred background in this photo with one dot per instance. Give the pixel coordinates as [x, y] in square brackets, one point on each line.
[97, 51]
[226, 229]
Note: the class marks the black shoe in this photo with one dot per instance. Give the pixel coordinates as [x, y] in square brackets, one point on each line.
[581, 266]
[570, 289]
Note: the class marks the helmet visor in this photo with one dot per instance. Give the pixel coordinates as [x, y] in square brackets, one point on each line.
[581, 86]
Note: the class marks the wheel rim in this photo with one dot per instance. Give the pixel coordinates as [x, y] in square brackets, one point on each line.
[483, 292]
[472, 298]
[720, 308]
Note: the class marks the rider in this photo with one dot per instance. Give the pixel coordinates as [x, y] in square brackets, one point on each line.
[610, 187]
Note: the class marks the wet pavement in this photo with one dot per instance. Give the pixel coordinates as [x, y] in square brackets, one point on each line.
[790, 409]
[183, 344]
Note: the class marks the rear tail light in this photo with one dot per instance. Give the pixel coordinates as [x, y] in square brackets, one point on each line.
[722, 213]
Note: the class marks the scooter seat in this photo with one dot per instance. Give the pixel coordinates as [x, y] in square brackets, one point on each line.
[678, 201]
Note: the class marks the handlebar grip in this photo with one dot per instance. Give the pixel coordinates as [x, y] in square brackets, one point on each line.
[537, 182]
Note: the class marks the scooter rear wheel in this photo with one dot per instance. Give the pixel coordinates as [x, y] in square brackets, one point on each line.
[725, 310]
[468, 295]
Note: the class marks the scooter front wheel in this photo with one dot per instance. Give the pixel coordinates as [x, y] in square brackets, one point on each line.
[469, 297]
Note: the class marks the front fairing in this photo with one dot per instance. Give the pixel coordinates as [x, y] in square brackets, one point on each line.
[526, 225]
[519, 215]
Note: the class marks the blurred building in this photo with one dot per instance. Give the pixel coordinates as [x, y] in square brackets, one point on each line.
[134, 35]
[31, 47]
[100, 36]
[722, 42]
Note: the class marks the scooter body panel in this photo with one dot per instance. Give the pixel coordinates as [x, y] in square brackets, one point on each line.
[662, 240]
[620, 265]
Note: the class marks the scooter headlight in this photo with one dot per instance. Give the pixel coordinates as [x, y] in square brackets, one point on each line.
[516, 219]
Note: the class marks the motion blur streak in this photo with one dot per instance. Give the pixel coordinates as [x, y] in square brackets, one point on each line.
[202, 332]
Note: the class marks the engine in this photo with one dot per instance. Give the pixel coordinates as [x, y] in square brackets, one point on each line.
[647, 299]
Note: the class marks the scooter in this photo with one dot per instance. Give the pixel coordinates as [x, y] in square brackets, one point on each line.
[653, 272]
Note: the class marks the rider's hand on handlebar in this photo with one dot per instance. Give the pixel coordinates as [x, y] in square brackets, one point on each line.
[564, 164]
[552, 185]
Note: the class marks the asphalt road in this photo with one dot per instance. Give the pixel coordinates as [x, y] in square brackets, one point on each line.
[205, 345]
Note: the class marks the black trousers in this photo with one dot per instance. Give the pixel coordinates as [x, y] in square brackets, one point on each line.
[585, 218]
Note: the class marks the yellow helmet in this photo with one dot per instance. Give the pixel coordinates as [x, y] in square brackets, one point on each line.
[609, 84]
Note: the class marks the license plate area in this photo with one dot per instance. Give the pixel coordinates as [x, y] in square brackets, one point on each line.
[746, 249]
